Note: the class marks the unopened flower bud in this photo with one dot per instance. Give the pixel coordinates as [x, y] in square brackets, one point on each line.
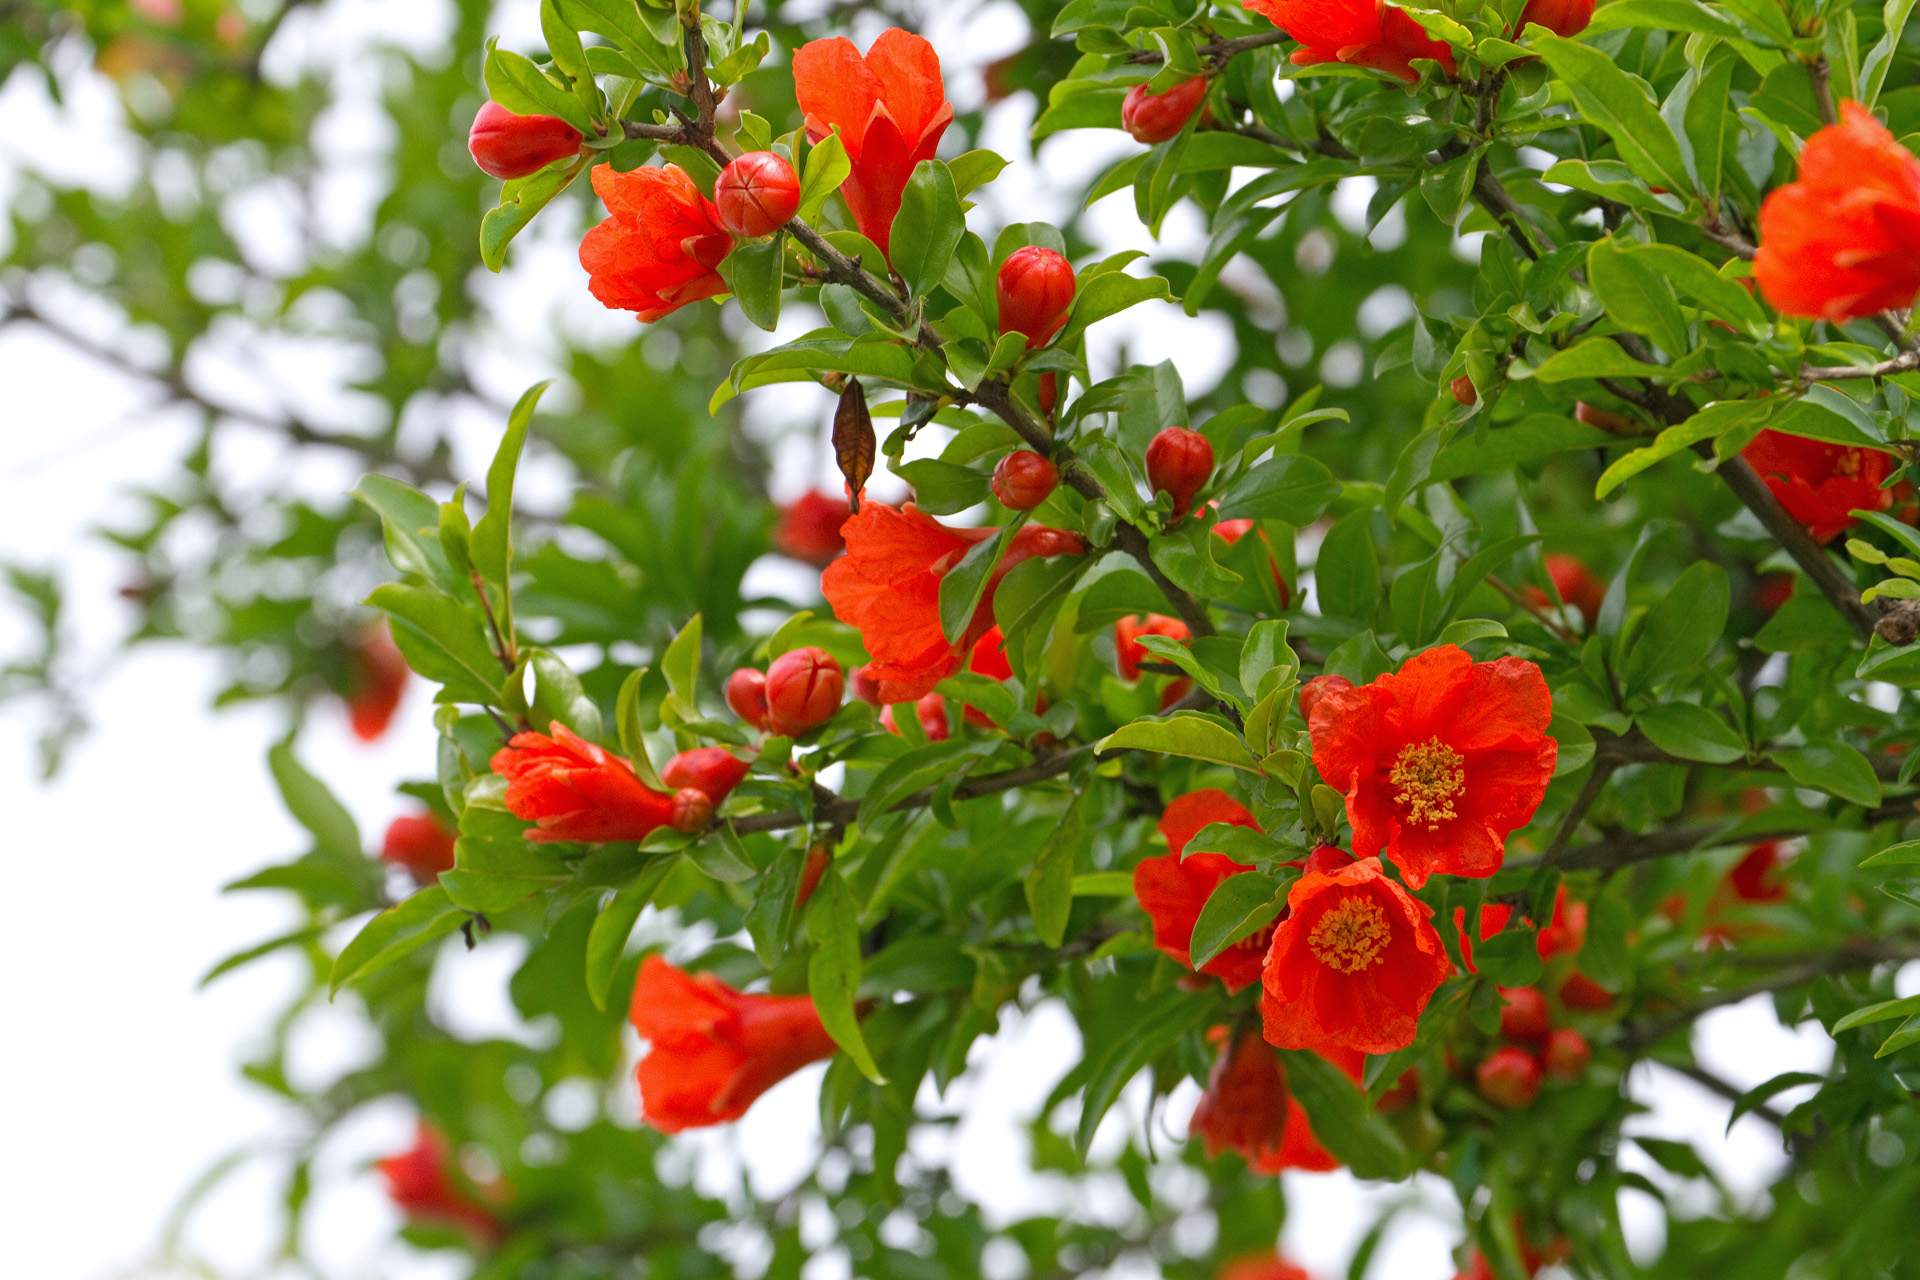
[1023, 479]
[803, 691]
[1155, 117]
[1035, 291]
[1463, 390]
[1510, 1077]
[509, 146]
[692, 810]
[1179, 461]
[747, 695]
[756, 194]
[714, 771]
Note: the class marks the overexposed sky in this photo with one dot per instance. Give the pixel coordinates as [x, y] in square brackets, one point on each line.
[121, 1084]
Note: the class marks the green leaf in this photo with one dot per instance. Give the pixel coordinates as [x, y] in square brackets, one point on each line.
[1904, 854]
[1611, 180]
[1620, 104]
[1447, 187]
[492, 545]
[928, 228]
[1884, 1011]
[941, 488]
[559, 695]
[1343, 1118]
[299, 937]
[975, 169]
[1049, 884]
[1186, 556]
[1239, 907]
[1346, 576]
[312, 805]
[1196, 737]
[826, 168]
[1158, 1025]
[756, 273]
[396, 932]
[963, 586]
[1420, 597]
[1637, 296]
[680, 664]
[1108, 295]
[1710, 423]
[833, 972]
[443, 641]
[522, 88]
[1681, 628]
[1663, 15]
[921, 767]
[1291, 487]
[1760, 1093]
[1696, 278]
[1691, 732]
[1596, 358]
[521, 200]
[1712, 129]
[1832, 767]
[607, 939]
[1510, 957]
[410, 521]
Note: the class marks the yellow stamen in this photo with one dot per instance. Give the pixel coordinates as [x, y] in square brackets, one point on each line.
[1351, 935]
[1427, 777]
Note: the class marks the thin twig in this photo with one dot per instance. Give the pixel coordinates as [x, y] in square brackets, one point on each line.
[1217, 52]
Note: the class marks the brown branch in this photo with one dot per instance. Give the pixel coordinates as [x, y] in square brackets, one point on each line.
[1596, 782]
[1622, 849]
[1217, 52]
[1820, 76]
[1732, 1093]
[843, 811]
[1640, 1035]
[1904, 362]
[1727, 240]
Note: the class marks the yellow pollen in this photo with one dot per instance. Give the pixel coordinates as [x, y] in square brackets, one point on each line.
[1427, 777]
[1350, 935]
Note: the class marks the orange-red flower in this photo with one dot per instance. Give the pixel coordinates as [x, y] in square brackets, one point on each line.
[660, 248]
[1361, 33]
[421, 843]
[1752, 878]
[888, 585]
[1575, 582]
[419, 1184]
[1440, 761]
[890, 107]
[1247, 1109]
[715, 1049]
[1819, 483]
[1843, 240]
[1352, 964]
[573, 790]
[378, 677]
[1172, 889]
[809, 528]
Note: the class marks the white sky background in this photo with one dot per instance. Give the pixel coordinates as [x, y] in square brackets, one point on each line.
[120, 1086]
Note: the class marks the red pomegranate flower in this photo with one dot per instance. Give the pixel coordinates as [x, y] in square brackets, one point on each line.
[1246, 1109]
[1841, 241]
[1440, 761]
[1352, 965]
[1172, 889]
[1262, 1266]
[1361, 33]
[419, 1184]
[1752, 878]
[888, 585]
[1819, 483]
[575, 791]
[714, 1049]
[377, 675]
[421, 843]
[809, 528]
[890, 107]
[659, 249]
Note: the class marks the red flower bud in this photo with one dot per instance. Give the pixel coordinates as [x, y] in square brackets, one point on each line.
[1023, 479]
[1179, 461]
[862, 686]
[1566, 1054]
[747, 695]
[1317, 688]
[1127, 649]
[930, 711]
[803, 691]
[1562, 17]
[377, 679]
[1509, 1078]
[692, 810]
[819, 858]
[1463, 390]
[1523, 1015]
[1035, 291]
[1583, 993]
[574, 790]
[714, 771]
[756, 194]
[1155, 117]
[1605, 419]
[509, 146]
[420, 1186]
[1049, 392]
[420, 843]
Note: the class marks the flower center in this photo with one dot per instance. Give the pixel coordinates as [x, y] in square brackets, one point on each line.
[1351, 934]
[1427, 777]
